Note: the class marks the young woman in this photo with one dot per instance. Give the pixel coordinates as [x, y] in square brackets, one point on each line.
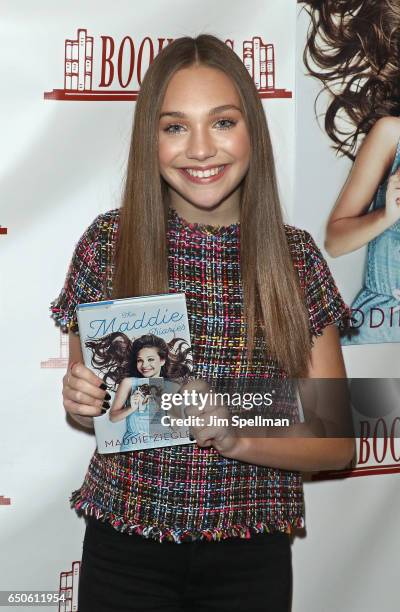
[354, 47]
[203, 526]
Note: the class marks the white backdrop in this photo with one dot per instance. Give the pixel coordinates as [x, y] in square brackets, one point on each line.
[62, 162]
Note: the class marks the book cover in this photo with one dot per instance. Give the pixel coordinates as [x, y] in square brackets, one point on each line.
[141, 349]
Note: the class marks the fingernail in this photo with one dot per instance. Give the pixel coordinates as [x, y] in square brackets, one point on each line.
[103, 386]
[106, 405]
[107, 396]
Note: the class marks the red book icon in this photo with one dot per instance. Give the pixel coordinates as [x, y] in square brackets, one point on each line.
[5, 501]
[3, 230]
[78, 63]
[259, 59]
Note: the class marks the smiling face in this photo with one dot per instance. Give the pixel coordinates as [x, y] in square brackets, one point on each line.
[204, 144]
[148, 362]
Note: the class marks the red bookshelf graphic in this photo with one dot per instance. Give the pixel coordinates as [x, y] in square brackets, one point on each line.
[78, 63]
[69, 582]
[5, 501]
[372, 470]
[378, 451]
[62, 360]
[376, 455]
[258, 57]
[3, 230]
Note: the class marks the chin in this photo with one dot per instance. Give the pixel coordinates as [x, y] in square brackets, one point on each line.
[204, 203]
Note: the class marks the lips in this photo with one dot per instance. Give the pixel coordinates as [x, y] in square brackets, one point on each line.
[203, 180]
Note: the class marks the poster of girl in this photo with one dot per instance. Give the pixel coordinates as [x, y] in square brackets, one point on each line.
[353, 48]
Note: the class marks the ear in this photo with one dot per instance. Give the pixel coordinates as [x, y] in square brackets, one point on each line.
[162, 362]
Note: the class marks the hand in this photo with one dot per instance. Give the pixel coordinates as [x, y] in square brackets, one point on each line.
[214, 428]
[392, 209]
[82, 392]
[137, 401]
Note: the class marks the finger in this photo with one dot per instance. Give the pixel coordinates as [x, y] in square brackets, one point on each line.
[88, 388]
[79, 370]
[80, 397]
[192, 411]
[219, 415]
[81, 409]
[202, 434]
[198, 384]
[204, 444]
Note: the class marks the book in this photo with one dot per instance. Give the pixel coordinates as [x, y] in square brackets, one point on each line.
[74, 64]
[141, 349]
[256, 61]
[248, 56]
[89, 63]
[270, 67]
[81, 59]
[68, 64]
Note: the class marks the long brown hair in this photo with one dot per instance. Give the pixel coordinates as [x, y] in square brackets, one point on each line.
[353, 47]
[271, 288]
[115, 356]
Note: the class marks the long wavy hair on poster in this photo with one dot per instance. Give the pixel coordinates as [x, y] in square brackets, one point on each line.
[353, 48]
[115, 356]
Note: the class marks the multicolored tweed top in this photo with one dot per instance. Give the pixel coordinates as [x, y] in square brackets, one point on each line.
[185, 492]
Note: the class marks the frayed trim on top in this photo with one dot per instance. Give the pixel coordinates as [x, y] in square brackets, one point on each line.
[166, 534]
[61, 320]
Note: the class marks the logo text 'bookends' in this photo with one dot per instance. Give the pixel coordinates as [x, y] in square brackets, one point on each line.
[122, 64]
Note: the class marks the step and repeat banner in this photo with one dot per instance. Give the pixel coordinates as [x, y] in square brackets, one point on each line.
[70, 77]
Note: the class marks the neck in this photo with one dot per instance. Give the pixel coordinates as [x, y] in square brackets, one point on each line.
[225, 213]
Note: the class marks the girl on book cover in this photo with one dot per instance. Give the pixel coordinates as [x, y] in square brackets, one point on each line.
[354, 49]
[116, 356]
[204, 526]
[124, 362]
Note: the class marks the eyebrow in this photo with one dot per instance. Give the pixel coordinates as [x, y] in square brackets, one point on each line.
[213, 111]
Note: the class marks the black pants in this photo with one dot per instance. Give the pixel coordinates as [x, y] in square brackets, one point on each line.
[128, 573]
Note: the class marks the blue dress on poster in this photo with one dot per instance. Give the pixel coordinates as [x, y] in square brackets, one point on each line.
[138, 422]
[376, 309]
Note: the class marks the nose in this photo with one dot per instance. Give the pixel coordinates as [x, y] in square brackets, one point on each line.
[201, 144]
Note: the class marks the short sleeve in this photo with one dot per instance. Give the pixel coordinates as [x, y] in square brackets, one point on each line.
[324, 302]
[84, 281]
